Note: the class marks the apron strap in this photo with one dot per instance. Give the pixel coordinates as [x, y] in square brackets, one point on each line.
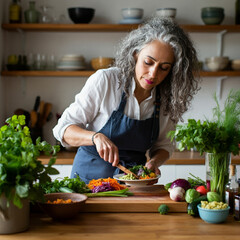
[122, 103]
[156, 114]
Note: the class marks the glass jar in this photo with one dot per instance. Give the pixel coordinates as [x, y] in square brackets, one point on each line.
[31, 15]
[45, 16]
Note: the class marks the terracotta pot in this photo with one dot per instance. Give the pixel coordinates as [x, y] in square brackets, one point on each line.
[13, 219]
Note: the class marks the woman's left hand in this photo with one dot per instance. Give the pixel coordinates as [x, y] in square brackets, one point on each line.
[151, 164]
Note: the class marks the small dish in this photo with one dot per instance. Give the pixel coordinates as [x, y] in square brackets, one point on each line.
[63, 210]
[132, 13]
[166, 12]
[137, 182]
[213, 215]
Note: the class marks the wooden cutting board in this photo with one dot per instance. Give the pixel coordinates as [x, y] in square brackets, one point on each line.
[145, 199]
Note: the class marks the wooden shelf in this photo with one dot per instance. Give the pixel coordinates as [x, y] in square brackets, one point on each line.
[110, 27]
[177, 158]
[47, 73]
[90, 72]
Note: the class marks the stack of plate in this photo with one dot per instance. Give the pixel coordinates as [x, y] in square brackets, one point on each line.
[72, 62]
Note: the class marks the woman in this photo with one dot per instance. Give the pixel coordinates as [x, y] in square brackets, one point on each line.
[127, 110]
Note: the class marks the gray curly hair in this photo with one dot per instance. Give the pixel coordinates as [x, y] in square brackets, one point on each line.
[181, 84]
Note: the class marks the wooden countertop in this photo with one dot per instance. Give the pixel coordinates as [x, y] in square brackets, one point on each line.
[122, 226]
[177, 158]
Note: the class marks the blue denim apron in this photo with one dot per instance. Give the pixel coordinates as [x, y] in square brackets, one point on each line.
[132, 137]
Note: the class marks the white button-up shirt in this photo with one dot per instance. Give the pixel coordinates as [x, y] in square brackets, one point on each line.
[100, 96]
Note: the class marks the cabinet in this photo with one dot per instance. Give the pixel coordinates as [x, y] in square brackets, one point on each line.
[107, 28]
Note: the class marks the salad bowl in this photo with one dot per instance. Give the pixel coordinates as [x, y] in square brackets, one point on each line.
[137, 182]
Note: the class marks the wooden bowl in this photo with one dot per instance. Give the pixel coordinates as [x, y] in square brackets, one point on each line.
[63, 210]
[101, 62]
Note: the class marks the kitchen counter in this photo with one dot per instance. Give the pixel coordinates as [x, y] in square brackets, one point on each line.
[177, 158]
[123, 226]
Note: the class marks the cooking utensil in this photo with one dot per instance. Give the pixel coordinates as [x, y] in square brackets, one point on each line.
[46, 112]
[127, 171]
[34, 118]
[36, 104]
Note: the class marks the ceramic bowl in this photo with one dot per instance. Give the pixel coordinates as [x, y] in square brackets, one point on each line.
[101, 62]
[166, 12]
[216, 63]
[63, 210]
[212, 15]
[132, 13]
[235, 64]
[81, 14]
[213, 215]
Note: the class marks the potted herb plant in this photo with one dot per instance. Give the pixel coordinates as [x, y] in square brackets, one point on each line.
[20, 169]
[218, 138]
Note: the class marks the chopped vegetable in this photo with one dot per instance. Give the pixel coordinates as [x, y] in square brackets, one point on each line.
[163, 209]
[191, 195]
[213, 205]
[59, 201]
[213, 196]
[141, 171]
[202, 190]
[100, 184]
[183, 183]
[119, 193]
[177, 194]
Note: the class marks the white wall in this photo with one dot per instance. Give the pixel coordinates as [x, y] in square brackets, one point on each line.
[20, 92]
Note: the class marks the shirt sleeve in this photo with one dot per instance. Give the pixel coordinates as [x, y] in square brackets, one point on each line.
[85, 107]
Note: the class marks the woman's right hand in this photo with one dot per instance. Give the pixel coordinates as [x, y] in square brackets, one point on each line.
[106, 149]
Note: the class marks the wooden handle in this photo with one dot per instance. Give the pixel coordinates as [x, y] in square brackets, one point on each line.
[126, 170]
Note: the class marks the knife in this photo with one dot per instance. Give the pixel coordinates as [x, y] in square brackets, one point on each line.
[36, 104]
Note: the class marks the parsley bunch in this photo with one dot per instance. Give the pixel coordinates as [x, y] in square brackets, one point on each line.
[220, 135]
[19, 164]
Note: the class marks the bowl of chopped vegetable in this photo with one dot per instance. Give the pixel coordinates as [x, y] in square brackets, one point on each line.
[131, 181]
[145, 176]
[213, 212]
[63, 205]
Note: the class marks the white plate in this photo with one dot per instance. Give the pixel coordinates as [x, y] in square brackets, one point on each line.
[137, 182]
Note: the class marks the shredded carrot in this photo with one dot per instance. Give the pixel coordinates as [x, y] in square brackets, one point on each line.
[113, 182]
[59, 200]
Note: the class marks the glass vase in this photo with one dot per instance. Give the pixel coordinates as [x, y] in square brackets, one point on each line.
[217, 171]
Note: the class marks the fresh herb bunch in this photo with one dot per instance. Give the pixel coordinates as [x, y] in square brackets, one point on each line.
[74, 184]
[19, 164]
[220, 135]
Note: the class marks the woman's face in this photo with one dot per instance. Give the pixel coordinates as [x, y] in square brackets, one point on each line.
[153, 63]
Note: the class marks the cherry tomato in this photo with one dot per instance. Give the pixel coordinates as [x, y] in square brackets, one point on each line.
[202, 190]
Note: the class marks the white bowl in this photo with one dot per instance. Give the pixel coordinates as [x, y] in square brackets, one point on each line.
[132, 13]
[235, 64]
[216, 63]
[166, 12]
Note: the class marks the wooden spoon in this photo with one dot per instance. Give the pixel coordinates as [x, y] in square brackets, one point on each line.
[127, 171]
